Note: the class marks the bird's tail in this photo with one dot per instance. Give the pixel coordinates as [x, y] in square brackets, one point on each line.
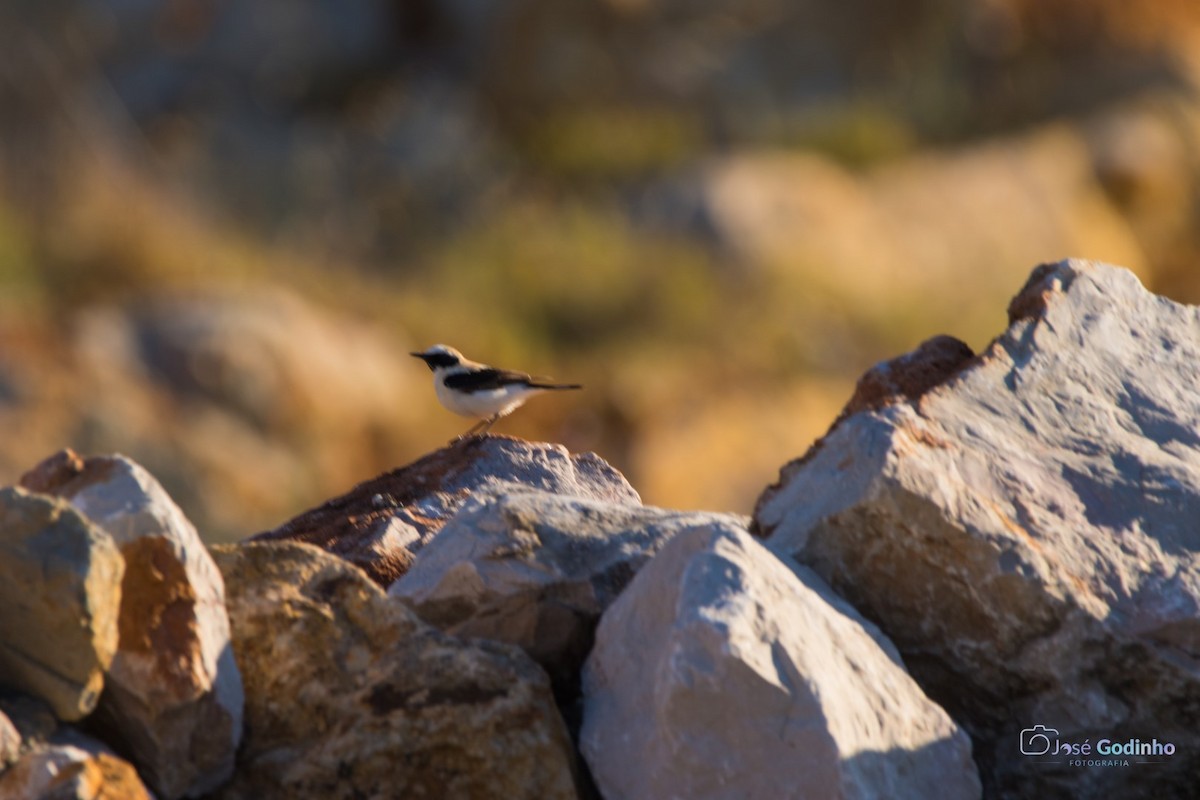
[554, 386]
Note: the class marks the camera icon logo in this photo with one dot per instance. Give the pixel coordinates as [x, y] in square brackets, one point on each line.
[1035, 741]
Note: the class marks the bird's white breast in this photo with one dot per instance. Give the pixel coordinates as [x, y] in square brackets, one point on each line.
[482, 404]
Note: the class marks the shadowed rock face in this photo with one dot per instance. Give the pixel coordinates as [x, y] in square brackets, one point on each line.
[382, 523]
[1025, 529]
[60, 597]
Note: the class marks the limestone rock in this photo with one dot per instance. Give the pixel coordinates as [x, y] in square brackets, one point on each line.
[723, 673]
[380, 524]
[537, 570]
[351, 695]
[173, 697]
[1024, 527]
[71, 766]
[60, 595]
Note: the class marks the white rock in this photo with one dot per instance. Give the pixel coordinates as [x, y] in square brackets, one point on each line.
[722, 673]
[538, 569]
[1024, 526]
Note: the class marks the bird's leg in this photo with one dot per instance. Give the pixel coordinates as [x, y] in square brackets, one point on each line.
[467, 434]
[474, 430]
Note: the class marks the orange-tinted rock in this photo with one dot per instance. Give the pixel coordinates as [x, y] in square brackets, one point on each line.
[173, 699]
[71, 766]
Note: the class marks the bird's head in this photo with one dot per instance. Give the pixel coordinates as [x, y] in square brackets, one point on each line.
[439, 356]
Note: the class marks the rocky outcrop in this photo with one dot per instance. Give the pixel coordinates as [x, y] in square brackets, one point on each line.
[382, 523]
[1016, 530]
[1025, 530]
[723, 673]
[173, 695]
[537, 570]
[60, 596]
[351, 695]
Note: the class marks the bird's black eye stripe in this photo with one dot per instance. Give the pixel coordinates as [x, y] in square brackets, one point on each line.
[440, 360]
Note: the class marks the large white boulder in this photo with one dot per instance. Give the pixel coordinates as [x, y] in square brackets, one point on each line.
[721, 672]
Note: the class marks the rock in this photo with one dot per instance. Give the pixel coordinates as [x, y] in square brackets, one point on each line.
[799, 214]
[10, 742]
[721, 673]
[537, 570]
[351, 695]
[274, 359]
[31, 717]
[71, 766]
[1142, 155]
[382, 523]
[173, 697]
[1025, 529]
[60, 595]
[195, 387]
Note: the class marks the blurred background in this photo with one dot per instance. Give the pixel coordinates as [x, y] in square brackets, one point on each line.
[224, 224]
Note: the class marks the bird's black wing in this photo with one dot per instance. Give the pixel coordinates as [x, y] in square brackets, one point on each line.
[482, 380]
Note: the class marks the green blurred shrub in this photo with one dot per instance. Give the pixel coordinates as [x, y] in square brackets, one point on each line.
[20, 282]
[856, 134]
[609, 144]
[540, 278]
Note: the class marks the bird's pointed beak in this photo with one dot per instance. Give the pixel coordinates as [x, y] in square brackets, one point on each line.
[418, 355]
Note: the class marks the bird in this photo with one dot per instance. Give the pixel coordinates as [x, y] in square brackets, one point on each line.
[471, 389]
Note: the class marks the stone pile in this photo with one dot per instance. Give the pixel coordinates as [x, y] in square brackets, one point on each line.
[114, 616]
[983, 581]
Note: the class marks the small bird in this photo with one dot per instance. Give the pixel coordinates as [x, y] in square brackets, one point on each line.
[471, 389]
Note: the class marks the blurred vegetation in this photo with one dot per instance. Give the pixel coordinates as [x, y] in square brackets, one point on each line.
[857, 135]
[716, 218]
[608, 145]
[20, 282]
